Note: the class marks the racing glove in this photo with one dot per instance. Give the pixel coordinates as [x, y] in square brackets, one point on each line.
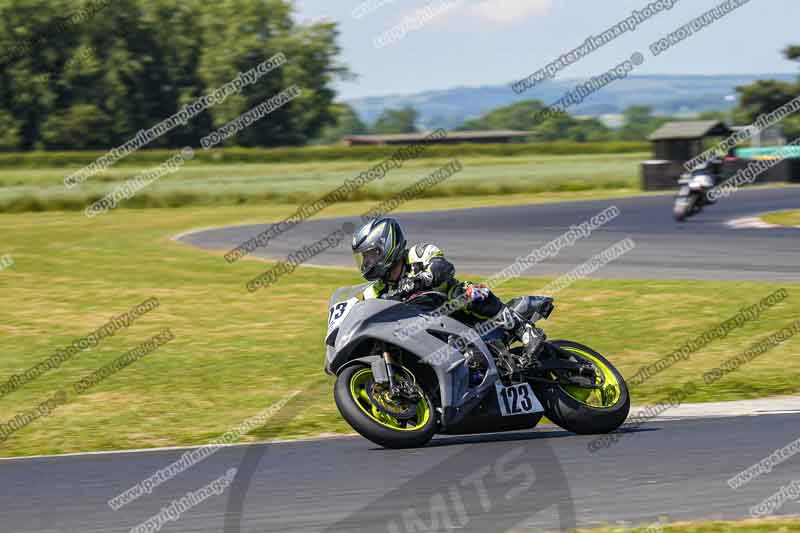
[408, 285]
[477, 293]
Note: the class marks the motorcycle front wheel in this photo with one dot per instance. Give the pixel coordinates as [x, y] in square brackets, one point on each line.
[587, 411]
[684, 207]
[375, 415]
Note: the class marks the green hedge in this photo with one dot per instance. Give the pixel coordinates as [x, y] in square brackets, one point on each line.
[172, 199]
[318, 153]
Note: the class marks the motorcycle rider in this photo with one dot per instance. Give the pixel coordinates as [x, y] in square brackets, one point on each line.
[706, 175]
[382, 255]
[714, 168]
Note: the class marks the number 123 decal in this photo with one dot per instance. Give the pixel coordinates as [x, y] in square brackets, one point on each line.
[517, 399]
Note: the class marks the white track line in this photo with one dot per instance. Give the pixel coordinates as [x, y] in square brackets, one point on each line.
[753, 223]
[178, 448]
[766, 406]
[750, 223]
[692, 411]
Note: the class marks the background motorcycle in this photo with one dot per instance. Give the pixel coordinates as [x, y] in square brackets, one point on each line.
[399, 390]
[693, 193]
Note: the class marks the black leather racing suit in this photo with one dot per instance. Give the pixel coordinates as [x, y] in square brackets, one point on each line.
[427, 264]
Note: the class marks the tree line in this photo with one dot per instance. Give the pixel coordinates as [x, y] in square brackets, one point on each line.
[92, 75]
[78, 78]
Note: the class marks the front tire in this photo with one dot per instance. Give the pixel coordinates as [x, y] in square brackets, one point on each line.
[352, 395]
[684, 208]
[570, 407]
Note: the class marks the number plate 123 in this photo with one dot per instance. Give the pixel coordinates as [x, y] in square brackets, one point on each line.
[517, 399]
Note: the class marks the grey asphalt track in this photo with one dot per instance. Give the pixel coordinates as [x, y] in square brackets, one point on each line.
[676, 470]
[486, 240]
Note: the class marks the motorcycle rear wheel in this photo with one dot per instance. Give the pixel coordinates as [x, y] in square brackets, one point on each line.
[355, 397]
[587, 411]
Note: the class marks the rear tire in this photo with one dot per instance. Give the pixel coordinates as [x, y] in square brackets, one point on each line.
[366, 425]
[576, 416]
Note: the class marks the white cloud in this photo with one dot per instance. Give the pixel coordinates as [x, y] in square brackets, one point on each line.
[510, 11]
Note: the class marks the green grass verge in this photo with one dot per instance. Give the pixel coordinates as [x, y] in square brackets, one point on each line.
[235, 353]
[200, 183]
[784, 218]
[78, 158]
[778, 525]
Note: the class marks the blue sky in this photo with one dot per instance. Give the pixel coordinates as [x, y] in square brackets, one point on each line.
[486, 42]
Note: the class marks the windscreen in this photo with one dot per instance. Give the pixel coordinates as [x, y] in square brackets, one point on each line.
[345, 293]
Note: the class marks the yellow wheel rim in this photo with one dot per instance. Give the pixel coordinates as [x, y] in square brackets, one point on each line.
[358, 390]
[604, 397]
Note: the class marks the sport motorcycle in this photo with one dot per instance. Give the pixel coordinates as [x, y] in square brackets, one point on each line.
[405, 373]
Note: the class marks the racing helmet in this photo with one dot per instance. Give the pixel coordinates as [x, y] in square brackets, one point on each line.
[377, 246]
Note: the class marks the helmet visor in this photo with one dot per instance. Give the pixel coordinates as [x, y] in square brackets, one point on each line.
[367, 259]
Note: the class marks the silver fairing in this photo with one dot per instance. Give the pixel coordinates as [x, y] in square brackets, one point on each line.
[382, 319]
[701, 181]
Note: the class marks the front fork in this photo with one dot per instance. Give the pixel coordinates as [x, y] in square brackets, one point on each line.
[387, 359]
[383, 372]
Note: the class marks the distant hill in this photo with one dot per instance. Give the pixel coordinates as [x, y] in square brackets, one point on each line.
[666, 94]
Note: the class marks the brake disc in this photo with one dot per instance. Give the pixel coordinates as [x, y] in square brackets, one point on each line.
[382, 399]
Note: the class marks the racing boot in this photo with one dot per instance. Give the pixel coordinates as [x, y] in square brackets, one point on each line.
[517, 328]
